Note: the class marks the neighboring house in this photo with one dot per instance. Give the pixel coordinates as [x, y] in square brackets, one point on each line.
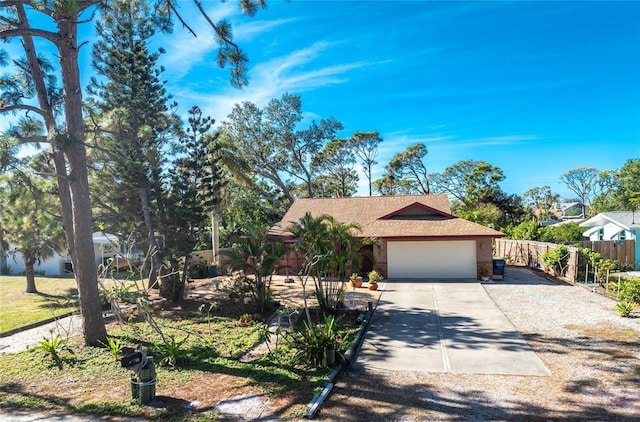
[571, 210]
[550, 222]
[615, 225]
[105, 246]
[420, 238]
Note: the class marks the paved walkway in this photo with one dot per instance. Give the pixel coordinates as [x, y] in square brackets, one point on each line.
[23, 340]
[445, 326]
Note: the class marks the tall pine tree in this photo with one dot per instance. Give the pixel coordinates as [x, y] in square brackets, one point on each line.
[193, 196]
[134, 127]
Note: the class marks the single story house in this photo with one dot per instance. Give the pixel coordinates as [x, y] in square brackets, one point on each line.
[614, 225]
[105, 246]
[420, 238]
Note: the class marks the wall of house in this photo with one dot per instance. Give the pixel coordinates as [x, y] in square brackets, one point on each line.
[53, 266]
[103, 253]
[636, 236]
[380, 258]
[611, 231]
[484, 254]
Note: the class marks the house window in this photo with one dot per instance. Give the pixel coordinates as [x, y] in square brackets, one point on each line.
[600, 234]
[623, 235]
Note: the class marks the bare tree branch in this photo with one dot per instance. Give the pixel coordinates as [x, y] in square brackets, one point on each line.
[223, 39]
[24, 107]
[30, 32]
[182, 21]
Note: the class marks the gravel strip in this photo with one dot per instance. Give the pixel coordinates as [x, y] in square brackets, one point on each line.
[537, 305]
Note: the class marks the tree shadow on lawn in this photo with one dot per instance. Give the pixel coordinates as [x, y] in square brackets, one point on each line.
[201, 355]
[613, 357]
[13, 396]
[361, 394]
[67, 298]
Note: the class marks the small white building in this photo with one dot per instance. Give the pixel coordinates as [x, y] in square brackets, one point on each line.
[105, 246]
[615, 225]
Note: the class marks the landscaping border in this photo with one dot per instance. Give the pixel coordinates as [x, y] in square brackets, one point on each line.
[350, 356]
[37, 324]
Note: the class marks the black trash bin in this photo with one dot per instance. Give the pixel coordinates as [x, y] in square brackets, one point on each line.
[498, 268]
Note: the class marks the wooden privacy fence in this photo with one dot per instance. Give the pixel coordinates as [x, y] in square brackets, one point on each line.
[529, 253]
[623, 251]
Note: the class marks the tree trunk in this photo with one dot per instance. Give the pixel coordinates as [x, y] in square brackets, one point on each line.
[31, 276]
[72, 177]
[79, 235]
[154, 257]
[370, 181]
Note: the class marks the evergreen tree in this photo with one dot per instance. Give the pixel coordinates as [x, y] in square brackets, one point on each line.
[134, 126]
[365, 147]
[193, 197]
[336, 163]
[32, 90]
[66, 136]
[28, 220]
[269, 147]
[407, 171]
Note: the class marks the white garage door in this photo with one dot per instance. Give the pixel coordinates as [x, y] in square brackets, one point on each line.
[432, 259]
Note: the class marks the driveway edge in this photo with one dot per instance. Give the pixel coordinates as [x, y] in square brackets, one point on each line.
[349, 357]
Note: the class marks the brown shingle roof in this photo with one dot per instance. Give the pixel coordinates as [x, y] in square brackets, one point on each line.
[403, 216]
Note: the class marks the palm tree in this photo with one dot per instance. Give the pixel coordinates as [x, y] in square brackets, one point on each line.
[257, 257]
[330, 253]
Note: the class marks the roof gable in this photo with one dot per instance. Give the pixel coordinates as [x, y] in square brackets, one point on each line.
[625, 219]
[417, 211]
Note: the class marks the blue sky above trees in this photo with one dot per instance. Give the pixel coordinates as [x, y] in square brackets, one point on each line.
[536, 88]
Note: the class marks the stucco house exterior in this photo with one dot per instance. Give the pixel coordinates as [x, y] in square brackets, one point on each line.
[420, 238]
[615, 225]
[105, 246]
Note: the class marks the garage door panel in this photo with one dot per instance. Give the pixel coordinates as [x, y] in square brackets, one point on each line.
[432, 259]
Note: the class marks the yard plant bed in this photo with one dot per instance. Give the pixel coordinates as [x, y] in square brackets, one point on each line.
[208, 367]
[592, 353]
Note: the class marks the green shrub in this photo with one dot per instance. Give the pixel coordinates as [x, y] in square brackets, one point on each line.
[311, 341]
[630, 291]
[54, 347]
[557, 259]
[114, 346]
[171, 350]
[527, 230]
[626, 308]
[569, 232]
[249, 319]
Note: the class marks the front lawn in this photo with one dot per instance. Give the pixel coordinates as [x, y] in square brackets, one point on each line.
[55, 297]
[198, 350]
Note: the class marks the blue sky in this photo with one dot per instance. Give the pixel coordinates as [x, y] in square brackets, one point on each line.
[536, 88]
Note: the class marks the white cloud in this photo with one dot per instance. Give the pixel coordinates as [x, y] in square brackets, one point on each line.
[185, 50]
[394, 143]
[497, 140]
[245, 32]
[292, 73]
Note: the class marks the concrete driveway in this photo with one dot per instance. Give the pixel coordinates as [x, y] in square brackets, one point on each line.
[444, 326]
